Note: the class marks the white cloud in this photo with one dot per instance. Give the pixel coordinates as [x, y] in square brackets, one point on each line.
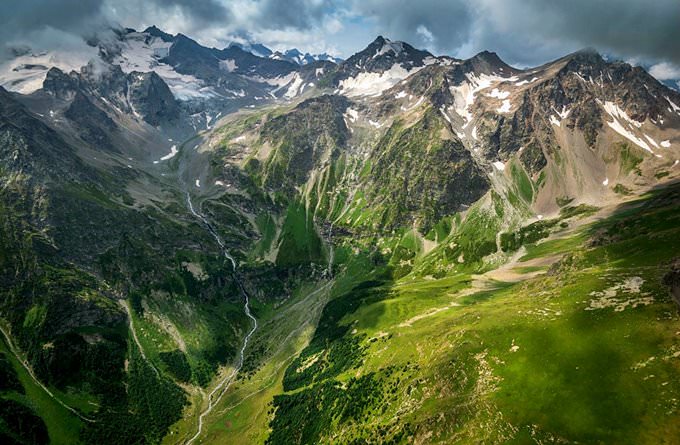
[425, 33]
[665, 71]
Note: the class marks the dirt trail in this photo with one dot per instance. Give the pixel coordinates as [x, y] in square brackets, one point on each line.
[126, 306]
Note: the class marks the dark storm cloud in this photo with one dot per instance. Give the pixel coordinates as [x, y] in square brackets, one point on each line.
[206, 11]
[299, 14]
[529, 31]
[80, 17]
[629, 28]
[443, 25]
[28, 15]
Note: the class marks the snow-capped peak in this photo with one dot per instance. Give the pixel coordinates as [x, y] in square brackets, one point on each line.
[296, 56]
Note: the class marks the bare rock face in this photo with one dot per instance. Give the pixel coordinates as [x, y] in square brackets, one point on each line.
[151, 97]
[304, 137]
[60, 85]
[94, 125]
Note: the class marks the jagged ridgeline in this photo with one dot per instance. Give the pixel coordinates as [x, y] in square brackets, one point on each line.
[435, 250]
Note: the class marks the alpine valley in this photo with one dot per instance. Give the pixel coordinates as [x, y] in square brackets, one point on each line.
[241, 246]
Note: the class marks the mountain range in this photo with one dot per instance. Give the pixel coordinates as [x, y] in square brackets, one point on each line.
[235, 245]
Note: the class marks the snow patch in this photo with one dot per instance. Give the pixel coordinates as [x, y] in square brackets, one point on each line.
[239, 93]
[352, 114]
[173, 152]
[666, 144]
[499, 165]
[295, 87]
[228, 65]
[373, 84]
[652, 141]
[429, 60]
[139, 53]
[605, 182]
[499, 94]
[389, 46]
[525, 81]
[505, 107]
[618, 114]
[446, 116]
[675, 107]
[26, 74]
[562, 115]
[464, 94]
[198, 183]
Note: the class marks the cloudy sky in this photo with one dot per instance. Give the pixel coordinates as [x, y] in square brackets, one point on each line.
[522, 32]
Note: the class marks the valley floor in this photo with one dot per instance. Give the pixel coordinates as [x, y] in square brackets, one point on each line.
[573, 341]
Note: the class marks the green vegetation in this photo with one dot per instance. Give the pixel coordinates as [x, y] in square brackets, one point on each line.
[425, 188]
[298, 242]
[622, 190]
[177, 365]
[522, 182]
[306, 416]
[629, 158]
[20, 425]
[527, 235]
[579, 210]
[303, 137]
[9, 381]
[268, 230]
[586, 352]
[563, 200]
[331, 351]
[143, 413]
[62, 426]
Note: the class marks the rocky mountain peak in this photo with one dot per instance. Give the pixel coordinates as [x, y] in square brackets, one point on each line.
[384, 59]
[488, 62]
[156, 32]
[256, 49]
[150, 97]
[59, 84]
